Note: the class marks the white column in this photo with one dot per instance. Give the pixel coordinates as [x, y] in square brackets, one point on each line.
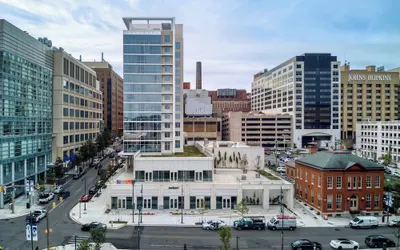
[160, 196]
[213, 197]
[12, 171]
[289, 197]
[240, 194]
[186, 194]
[265, 200]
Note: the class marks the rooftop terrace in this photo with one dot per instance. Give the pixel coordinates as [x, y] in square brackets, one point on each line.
[188, 151]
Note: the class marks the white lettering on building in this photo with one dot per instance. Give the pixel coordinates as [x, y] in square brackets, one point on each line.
[370, 77]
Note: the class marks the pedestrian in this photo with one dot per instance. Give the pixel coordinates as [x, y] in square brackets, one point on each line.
[37, 248]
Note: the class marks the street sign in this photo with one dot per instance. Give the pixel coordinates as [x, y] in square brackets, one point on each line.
[33, 230]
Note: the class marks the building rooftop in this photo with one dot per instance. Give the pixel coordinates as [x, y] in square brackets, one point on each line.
[222, 144]
[188, 151]
[338, 160]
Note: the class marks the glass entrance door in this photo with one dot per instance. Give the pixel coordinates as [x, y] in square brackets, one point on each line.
[173, 203]
[199, 203]
[226, 203]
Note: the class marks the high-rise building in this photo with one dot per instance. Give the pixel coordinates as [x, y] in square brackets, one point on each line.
[199, 76]
[308, 88]
[229, 100]
[112, 86]
[77, 106]
[153, 75]
[26, 89]
[367, 95]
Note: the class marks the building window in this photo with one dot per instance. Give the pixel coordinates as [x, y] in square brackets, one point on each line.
[349, 182]
[319, 199]
[177, 144]
[319, 181]
[167, 39]
[329, 202]
[330, 180]
[338, 182]
[167, 134]
[306, 176]
[65, 125]
[312, 196]
[312, 178]
[301, 174]
[377, 182]
[177, 45]
[368, 201]
[65, 139]
[376, 200]
[338, 201]
[354, 182]
[359, 182]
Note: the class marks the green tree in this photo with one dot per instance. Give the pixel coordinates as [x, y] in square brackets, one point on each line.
[92, 149]
[225, 235]
[387, 158]
[203, 210]
[83, 152]
[100, 143]
[242, 208]
[98, 236]
[84, 245]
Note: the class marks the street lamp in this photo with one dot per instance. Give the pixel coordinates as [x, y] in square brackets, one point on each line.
[84, 180]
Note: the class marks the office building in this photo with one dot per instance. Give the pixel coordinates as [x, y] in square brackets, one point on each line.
[397, 70]
[308, 88]
[153, 75]
[335, 183]
[112, 86]
[226, 100]
[199, 76]
[367, 95]
[374, 139]
[26, 89]
[77, 106]
[258, 129]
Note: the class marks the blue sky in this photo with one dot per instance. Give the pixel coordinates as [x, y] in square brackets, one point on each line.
[233, 39]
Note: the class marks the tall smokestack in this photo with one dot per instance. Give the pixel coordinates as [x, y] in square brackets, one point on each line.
[198, 76]
[102, 57]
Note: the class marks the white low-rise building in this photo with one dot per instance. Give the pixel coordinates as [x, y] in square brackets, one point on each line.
[194, 182]
[374, 139]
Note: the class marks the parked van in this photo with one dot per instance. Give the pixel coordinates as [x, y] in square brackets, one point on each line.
[364, 222]
[287, 221]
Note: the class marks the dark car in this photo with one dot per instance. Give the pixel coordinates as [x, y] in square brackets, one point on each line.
[93, 190]
[64, 194]
[305, 244]
[87, 227]
[77, 176]
[32, 218]
[376, 241]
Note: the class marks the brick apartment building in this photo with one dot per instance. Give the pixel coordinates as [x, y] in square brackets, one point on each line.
[227, 100]
[338, 182]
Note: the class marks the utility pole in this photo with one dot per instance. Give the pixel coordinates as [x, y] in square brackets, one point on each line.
[30, 223]
[13, 200]
[48, 232]
[276, 156]
[237, 242]
[133, 201]
[75, 241]
[84, 205]
[80, 212]
[182, 205]
[140, 212]
[283, 217]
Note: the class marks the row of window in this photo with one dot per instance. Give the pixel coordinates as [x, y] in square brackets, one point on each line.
[129, 87]
[353, 182]
[25, 108]
[81, 90]
[21, 128]
[167, 176]
[26, 146]
[69, 139]
[73, 70]
[81, 102]
[81, 114]
[80, 125]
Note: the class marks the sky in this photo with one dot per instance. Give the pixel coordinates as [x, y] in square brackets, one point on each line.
[234, 39]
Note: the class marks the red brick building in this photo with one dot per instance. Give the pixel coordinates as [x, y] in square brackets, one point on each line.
[186, 85]
[338, 182]
[230, 100]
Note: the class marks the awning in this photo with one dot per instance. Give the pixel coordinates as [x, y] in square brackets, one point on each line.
[72, 156]
[66, 158]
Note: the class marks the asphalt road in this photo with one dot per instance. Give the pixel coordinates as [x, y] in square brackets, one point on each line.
[196, 238]
[12, 231]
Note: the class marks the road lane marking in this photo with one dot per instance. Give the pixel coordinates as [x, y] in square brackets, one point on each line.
[77, 191]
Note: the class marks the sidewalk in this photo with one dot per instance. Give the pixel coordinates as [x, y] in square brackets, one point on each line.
[20, 209]
[105, 246]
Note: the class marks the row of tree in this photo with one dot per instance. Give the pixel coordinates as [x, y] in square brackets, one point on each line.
[90, 148]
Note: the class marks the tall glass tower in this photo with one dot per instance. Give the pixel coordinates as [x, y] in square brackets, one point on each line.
[26, 90]
[153, 74]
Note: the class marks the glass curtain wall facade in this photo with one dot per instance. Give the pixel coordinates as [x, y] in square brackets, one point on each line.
[152, 87]
[26, 86]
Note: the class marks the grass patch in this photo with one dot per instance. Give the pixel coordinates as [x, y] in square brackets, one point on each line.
[269, 176]
[118, 222]
[188, 151]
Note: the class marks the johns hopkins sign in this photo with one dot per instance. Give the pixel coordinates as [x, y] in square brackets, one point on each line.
[370, 77]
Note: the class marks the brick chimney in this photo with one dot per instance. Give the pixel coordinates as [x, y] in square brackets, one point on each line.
[313, 147]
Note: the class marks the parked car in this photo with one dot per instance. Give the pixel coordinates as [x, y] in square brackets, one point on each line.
[117, 150]
[397, 174]
[250, 223]
[279, 221]
[88, 226]
[93, 190]
[32, 218]
[394, 223]
[96, 161]
[64, 194]
[305, 244]
[86, 198]
[45, 197]
[40, 213]
[213, 224]
[342, 243]
[77, 176]
[388, 171]
[376, 241]
[364, 222]
[58, 189]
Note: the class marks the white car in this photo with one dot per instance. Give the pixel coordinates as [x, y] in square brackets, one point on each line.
[58, 189]
[46, 197]
[96, 161]
[213, 224]
[344, 244]
[40, 214]
[280, 169]
[397, 174]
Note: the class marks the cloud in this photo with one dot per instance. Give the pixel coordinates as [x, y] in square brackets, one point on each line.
[233, 39]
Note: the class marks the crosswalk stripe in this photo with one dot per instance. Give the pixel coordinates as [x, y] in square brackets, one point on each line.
[79, 239]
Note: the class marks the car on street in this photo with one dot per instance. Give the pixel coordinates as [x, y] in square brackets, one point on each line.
[58, 189]
[213, 224]
[92, 225]
[45, 197]
[377, 241]
[96, 161]
[77, 176]
[32, 218]
[394, 223]
[64, 194]
[304, 244]
[93, 190]
[250, 222]
[86, 198]
[343, 243]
